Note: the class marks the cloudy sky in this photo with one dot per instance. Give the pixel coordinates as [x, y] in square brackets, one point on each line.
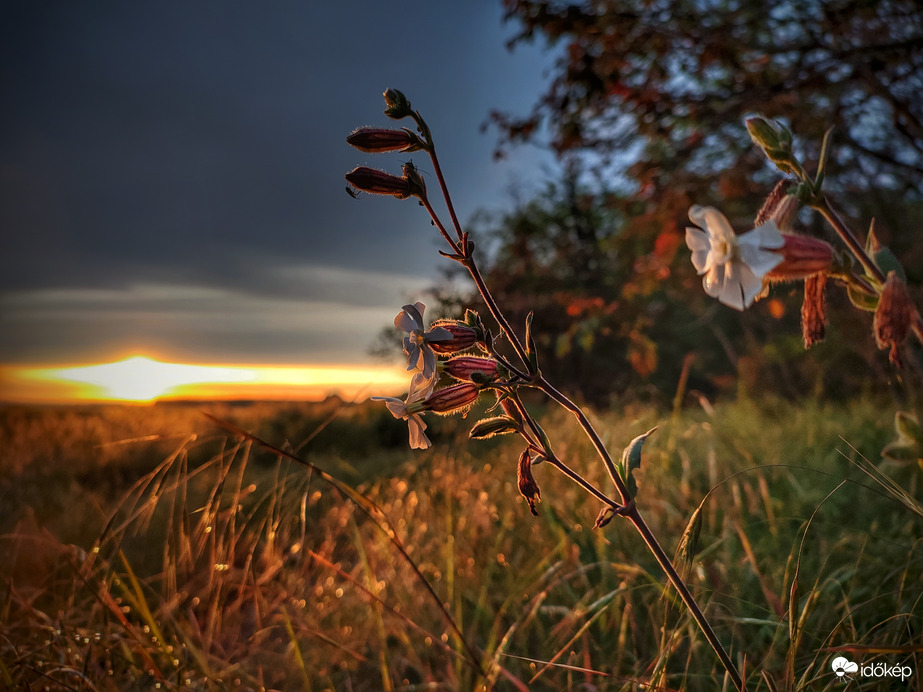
[171, 173]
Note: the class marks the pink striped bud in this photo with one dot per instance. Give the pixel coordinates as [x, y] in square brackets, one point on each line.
[463, 367]
[378, 182]
[455, 399]
[802, 256]
[463, 337]
[379, 139]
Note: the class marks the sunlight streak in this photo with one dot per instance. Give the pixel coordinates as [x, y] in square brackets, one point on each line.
[142, 379]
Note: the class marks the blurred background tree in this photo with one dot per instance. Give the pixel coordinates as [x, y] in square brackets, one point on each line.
[646, 109]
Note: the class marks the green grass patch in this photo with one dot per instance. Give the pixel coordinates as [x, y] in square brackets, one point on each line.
[146, 547]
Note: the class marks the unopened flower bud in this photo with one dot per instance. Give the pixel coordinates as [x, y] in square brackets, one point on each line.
[774, 139]
[785, 212]
[802, 256]
[464, 367]
[397, 104]
[378, 182]
[510, 409]
[463, 337]
[528, 488]
[455, 399]
[814, 310]
[379, 139]
[893, 317]
[765, 212]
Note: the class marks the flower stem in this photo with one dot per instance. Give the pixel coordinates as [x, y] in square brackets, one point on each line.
[626, 507]
[632, 513]
[634, 516]
[847, 236]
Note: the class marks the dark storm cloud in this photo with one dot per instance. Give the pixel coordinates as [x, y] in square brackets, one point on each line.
[200, 145]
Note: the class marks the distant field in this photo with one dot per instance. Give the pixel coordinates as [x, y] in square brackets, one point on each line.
[147, 547]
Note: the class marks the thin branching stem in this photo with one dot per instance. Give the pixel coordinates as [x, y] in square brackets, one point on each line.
[631, 512]
[848, 237]
[470, 264]
[627, 507]
[591, 433]
[436, 220]
[634, 516]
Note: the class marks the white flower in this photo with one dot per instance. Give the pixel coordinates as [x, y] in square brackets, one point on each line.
[416, 346]
[410, 409]
[734, 266]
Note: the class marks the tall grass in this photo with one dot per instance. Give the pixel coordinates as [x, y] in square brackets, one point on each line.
[224, 566]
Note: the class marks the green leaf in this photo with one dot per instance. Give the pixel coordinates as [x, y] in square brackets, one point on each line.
[902, 451]
[631, 460]
[862, 300]
[887, 262]
[908, 426]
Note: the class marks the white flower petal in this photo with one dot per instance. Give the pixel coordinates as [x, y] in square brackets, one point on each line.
[420, 388]
[750, 282]
[713, 221]
[769, 235]
[410, 318]
[731, 294]
[397, 407]
[714, 281]
[741, 288]
[418, 439]
[756, 246]
[697, 242]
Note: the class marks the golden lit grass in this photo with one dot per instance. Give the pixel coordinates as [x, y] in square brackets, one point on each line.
[219, 565]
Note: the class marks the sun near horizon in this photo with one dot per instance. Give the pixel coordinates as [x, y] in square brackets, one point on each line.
[141, 379]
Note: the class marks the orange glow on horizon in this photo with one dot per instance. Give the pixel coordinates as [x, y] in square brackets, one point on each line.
[141, 379]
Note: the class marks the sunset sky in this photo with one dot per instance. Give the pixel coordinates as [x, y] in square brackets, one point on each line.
[171, 174]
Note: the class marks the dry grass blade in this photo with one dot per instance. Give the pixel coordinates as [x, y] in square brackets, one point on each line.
[379, 519]
[886, 482]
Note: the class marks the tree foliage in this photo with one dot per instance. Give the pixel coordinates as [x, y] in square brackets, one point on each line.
[681, 75]
[646, 106]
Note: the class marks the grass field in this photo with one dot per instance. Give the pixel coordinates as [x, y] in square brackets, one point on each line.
[148, 548]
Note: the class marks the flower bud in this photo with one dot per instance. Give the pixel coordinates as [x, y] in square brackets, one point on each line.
[378, 182]
[802, 256]
[463, 337]
[463, 367]
[378, 139]
[893, 317]
[510, 409]
[455, 399]
[775, 140]
[397, 104]
[769, 206]
[528, 488]
[785, 212]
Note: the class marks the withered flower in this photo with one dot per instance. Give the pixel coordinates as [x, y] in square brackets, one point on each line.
[814, 310]
[528, 488]
[893, 317]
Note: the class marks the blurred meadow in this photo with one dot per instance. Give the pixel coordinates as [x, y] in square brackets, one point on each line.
[148, 548]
